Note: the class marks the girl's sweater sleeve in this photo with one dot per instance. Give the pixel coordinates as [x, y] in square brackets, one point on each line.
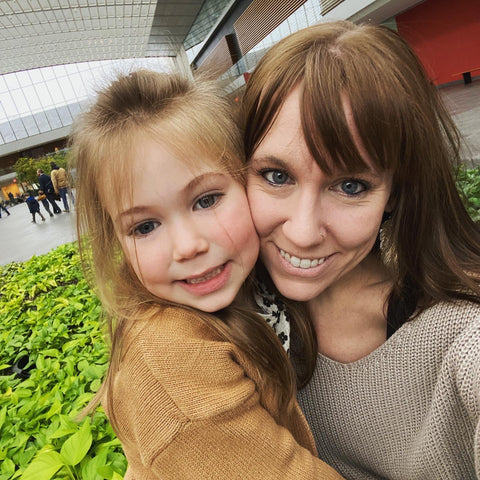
[186, 408]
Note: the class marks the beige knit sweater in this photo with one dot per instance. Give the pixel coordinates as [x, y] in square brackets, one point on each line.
[187, 408]
[59, 178]
[410, 410]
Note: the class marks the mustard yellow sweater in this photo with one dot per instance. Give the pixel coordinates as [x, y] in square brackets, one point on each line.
[186, 408]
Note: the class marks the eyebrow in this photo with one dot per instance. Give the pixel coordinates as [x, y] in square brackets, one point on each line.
[203, 178]
[271, 160]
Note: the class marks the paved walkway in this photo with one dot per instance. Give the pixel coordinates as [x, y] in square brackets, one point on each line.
[20, 239]
[463, 103]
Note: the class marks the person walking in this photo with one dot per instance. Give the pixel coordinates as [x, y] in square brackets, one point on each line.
[3, 207]
[60, 183]
[43, 198]
[34, 207]
[46, 185]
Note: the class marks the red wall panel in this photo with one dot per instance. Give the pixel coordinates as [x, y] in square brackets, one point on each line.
[446, 36]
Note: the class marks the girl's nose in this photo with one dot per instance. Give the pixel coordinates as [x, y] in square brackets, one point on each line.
[188, 240]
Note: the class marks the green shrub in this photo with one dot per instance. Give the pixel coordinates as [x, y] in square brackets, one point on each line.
[468, 183]
[50, 321]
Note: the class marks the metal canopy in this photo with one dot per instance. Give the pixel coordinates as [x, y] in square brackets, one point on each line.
[38, 33]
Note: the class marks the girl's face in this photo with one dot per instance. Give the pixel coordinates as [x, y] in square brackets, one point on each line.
[186, 230]
[314, 229]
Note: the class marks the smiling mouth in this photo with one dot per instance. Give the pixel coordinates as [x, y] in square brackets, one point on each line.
[206, 277]
[304, 263]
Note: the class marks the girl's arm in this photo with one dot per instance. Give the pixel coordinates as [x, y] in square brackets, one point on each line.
[187, 409]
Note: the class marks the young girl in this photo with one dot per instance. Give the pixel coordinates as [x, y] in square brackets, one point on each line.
[195, 389]
[352, 191]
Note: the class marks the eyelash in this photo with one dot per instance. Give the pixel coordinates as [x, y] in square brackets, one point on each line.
[366, 185]
[263, 172]
[136, 229]
[215, 195]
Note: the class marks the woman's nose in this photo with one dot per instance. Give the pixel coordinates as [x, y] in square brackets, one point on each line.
[188, 240]
[304, 225]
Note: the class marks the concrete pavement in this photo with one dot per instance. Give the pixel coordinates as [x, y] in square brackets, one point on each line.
[20, 239]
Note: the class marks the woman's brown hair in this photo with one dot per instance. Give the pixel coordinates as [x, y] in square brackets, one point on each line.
[404, 127]
[187, 116]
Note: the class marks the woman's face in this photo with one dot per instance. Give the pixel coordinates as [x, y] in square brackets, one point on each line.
[314, 229]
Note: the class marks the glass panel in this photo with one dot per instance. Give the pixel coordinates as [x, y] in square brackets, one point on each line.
[18, 129]
[30, 125]
[65, 116]
[12, 82]
[31, 97]
[20, 102]
[42, 122]
[53, 118]
[6, 132]
[44, 95]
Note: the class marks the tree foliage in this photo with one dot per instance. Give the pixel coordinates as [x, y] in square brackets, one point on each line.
[26, 168]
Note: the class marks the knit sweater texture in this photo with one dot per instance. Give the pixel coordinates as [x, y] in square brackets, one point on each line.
[408, 411]
[185, 407]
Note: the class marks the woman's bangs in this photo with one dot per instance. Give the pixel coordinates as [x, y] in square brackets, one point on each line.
[333, 143]
[327, 133]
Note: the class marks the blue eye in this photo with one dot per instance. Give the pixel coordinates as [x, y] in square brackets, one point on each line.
[207, 201]
[145, 228]
[352, 187]
[275, 177]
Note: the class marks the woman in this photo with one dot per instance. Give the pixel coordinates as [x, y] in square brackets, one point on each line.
[351, 157]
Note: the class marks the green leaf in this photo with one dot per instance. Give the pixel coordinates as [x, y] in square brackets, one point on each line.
[8, 467]
[92, 469]
[43, 467]
[76, 447]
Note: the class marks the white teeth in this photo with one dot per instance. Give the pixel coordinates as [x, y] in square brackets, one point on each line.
[206, 277]
[301, 262]
[305, 263]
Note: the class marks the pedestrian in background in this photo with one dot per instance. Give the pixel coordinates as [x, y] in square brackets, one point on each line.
[43, 198]
[3, 207]
[46, 185]
[60, 183]
[34, 207]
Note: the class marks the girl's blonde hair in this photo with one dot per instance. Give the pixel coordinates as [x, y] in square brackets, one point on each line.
[190, 118]
[403, 126]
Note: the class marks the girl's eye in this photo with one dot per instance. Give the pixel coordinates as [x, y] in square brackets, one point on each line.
[275, 177]
[145, 228]
[351, 187]
[207, 201]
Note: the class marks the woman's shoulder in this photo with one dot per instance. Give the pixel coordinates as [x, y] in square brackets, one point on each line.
[461, 364]
[456, 326]
[457, 314]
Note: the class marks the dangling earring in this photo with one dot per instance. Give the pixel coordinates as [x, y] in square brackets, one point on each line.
[386, 245]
